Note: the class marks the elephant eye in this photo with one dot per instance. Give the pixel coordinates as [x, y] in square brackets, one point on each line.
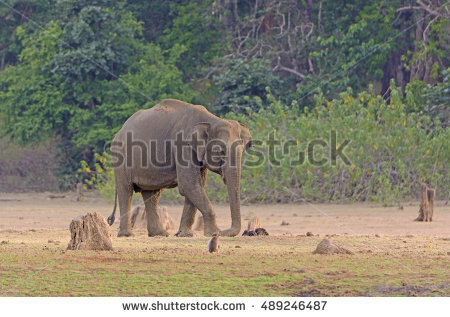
[222, 152]
[249, 144]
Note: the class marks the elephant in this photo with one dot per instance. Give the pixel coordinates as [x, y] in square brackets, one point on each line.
[189, 141]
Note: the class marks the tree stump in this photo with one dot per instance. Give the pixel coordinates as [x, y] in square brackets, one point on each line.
[253, 224]
[139, 218]
[166, 219]
[90, 232]
[426, 204]
[326, 247]
[199, 224]
[79, 191]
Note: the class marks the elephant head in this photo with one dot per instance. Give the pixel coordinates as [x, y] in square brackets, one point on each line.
[225, 141]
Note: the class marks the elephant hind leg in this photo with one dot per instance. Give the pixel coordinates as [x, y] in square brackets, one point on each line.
[154, 225]
[125, 195]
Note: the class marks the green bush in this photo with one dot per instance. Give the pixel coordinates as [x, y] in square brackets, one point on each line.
[390, 151]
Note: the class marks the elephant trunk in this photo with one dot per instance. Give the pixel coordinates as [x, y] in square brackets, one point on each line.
[232, 176]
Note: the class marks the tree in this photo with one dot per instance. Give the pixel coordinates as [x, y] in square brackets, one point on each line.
[82, 76]
[14, 13]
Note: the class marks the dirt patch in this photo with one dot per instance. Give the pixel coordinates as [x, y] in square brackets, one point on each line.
[35, 211]
[410, 290]
[313, 292]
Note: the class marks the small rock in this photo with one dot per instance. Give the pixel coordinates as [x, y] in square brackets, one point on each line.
[326, 247]
[377, 235]
[309, 234]
[284, 223]
[253, 224]
[50, 241]
[308, 281]
[301, 271]
[294, 215]
[404, 241]
[410, 236]
[238, 247]
[261, 232]
[20, 218]
[4, 242]
[248, 233]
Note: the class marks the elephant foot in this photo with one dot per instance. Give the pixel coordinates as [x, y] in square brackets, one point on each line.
[184, 233]
[230, 232]
[208, 232]
[163, 233]
[125, 233]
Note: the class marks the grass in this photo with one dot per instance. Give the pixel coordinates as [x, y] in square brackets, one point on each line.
[245, 266]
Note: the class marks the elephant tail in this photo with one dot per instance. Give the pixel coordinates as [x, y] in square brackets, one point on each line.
[112, 217]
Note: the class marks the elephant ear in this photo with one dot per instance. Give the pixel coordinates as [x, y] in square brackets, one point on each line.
[243, 125]
[245, 136]
[199, 139]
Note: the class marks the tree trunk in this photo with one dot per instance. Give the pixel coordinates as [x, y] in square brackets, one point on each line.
[426, 204]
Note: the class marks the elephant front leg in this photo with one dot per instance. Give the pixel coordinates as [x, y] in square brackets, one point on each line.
[189, 210]
[154, 225]
[187, 219]
[200, 200]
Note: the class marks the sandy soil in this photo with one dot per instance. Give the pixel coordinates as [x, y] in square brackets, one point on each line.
[37, 211]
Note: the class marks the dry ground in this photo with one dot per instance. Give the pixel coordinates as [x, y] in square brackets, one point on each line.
[394, 256]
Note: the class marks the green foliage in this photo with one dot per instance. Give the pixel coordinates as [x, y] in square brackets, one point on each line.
[96, 40]
[195, 29]
[352, 55]
[81, 77]
[391, 151]
[242, 85]
[101, 178]
[32, 105]
[431, 99]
